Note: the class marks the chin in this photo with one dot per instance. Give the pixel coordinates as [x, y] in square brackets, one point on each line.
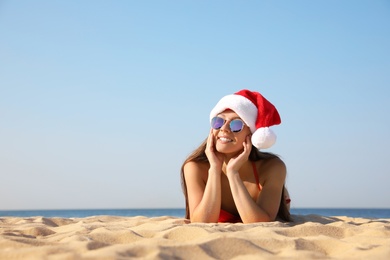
[228, 149]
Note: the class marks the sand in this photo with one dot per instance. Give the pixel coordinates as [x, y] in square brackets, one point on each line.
[111, 237]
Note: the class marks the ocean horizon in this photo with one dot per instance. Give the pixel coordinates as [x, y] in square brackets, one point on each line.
[180, 212]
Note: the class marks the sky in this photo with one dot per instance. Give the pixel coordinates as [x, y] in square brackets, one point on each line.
[102, 101]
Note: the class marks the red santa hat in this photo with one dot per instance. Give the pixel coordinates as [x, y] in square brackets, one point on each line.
[257, 113]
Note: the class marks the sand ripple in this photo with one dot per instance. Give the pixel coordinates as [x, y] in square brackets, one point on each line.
[111, 237]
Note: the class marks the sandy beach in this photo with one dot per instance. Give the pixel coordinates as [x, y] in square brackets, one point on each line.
[111, 237]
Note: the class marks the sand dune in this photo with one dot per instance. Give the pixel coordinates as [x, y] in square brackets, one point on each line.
[110, 237]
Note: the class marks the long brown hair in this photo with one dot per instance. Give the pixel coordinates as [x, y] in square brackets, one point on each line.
[199, 155]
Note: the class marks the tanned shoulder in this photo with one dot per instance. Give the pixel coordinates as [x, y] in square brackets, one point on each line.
[196, 169]
[274, 168]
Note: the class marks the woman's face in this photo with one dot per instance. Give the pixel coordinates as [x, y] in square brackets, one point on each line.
[227, 141]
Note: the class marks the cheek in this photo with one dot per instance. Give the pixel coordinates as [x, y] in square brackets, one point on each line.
[242, 137]
[246, 131]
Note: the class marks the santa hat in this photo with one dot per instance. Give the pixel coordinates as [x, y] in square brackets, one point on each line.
[257, 113]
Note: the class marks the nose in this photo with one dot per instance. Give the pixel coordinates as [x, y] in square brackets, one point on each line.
[225, 127]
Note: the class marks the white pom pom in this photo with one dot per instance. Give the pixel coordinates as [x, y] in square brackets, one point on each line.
[263, 138]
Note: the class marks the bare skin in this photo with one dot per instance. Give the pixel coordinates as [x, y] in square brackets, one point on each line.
[227, 182]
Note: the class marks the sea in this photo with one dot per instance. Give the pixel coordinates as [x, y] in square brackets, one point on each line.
[374, 213]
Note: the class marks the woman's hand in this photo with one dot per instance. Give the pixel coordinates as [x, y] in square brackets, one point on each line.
[215, 158]
[236, 163]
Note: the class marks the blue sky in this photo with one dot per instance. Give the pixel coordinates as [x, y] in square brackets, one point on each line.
[101, 101]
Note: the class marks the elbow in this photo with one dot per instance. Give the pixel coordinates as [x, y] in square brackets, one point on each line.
[259, 218]
[203, 219]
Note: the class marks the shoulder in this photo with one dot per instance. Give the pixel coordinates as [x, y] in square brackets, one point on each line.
[196, 169]
[190, 166]
[273, 168]
[275, 162]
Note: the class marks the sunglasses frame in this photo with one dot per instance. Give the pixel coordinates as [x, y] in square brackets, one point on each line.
[230, 122]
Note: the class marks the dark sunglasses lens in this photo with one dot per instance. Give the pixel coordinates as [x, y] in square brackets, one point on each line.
[236, 125]
[217, 123]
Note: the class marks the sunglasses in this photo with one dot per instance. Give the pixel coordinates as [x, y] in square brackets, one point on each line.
[236, 125]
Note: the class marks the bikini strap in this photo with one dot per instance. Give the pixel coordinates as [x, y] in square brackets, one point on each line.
[256, 176]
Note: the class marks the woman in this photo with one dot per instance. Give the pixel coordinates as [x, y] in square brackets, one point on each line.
[227, 179]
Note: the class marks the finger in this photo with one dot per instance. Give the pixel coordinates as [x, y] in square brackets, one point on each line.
[247, 146]
[249, 139]
[246, 151]
[209, 140]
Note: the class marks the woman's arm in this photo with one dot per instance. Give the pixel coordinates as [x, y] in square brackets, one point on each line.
[204, 185]
[204, 193]
[267, 205]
